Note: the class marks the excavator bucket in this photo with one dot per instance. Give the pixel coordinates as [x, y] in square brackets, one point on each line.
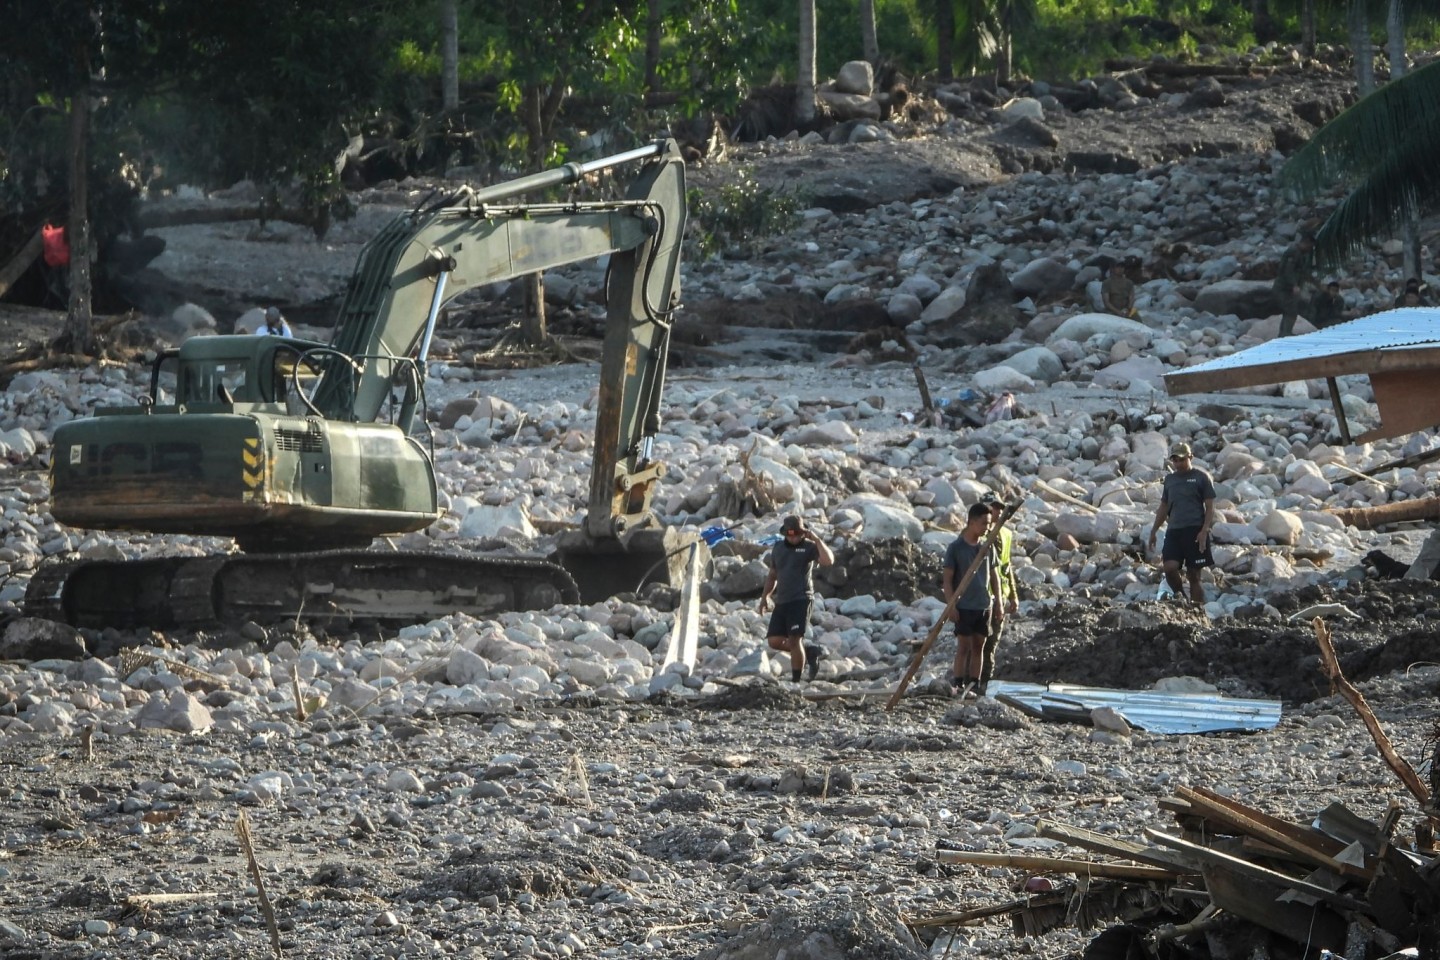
[605, 567]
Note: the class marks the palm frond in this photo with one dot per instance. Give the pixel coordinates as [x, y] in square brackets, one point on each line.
[1363, 137]
[1405, 180]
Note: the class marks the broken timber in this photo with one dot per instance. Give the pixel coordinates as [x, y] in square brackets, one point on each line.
[1339, 890]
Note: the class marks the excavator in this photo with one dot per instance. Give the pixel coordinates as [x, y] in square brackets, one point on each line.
[305, 452]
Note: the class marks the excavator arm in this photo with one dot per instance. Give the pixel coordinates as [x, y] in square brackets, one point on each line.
[425, 258]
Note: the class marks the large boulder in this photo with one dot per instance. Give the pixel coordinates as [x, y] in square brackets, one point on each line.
[29, 638]
[1083, 326]
[1037, 363]
[857, 77]
[1246, 299]
[1042, 278]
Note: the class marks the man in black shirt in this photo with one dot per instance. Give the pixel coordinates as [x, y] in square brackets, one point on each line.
[789, 581]
[1187, 501]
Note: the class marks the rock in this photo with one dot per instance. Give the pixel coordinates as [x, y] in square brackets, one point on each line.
[1110, 720]
[944, 306]
[1083, 326]
[1205, 94]
[1025, 108]
[180, 712]
[1246, 299]
[1000, 378]
[828, 433]
[29, 638]
[828, 929]
[1283, 527]
[855, 76]
[500, 521]
[1037, 363]
[886, 520]
[1042, 278]
[850, 106]
[1136, 370]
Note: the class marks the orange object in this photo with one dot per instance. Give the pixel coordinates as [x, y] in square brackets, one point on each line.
[57, 249]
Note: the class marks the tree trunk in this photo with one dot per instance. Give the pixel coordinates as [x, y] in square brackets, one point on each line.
[1395, 38]
[869, 44]
[945, 38]
[1261, 23]
[533, 328]
[805, 76]
[78, 336]
[1360, 44]
[1004, 53]
[1395, 47]
[449, 55]
[1307, 27]
[654, 23]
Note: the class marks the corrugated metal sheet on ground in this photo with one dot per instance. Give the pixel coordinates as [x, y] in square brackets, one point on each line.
[1150, 710]
[1401, 329]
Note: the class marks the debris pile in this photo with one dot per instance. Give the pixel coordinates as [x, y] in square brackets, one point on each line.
[1232, 880]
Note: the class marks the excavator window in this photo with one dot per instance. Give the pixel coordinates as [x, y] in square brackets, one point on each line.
[214, 381]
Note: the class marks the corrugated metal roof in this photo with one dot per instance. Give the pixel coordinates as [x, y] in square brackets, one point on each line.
[1149, 710]
[1392, 330]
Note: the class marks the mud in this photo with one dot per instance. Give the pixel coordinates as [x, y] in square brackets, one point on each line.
[1132, 646]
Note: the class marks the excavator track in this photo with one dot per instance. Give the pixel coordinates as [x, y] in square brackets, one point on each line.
[330, 586]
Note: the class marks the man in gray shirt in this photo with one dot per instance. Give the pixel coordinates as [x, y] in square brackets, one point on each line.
[1187, 501]
[978, 609]
[789, 582]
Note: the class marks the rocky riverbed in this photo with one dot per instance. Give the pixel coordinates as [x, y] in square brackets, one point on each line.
[535, 786]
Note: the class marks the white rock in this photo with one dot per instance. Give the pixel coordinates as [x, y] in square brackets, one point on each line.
[1282, 526]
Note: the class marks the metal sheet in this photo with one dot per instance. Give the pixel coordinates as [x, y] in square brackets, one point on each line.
[1150, 710]
[1388, 335]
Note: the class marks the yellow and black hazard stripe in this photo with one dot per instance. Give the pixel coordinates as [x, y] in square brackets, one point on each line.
[252, 464]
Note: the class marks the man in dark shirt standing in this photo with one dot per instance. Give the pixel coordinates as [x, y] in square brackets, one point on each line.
[978, 608]
[789, 581]
[1292, 282]
[1187, 501]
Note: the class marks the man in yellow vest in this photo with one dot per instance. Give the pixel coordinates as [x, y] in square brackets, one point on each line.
[1009, 593]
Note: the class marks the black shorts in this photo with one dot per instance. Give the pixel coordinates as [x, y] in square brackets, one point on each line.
[790, 617]
[1181, 546]
[972, 623]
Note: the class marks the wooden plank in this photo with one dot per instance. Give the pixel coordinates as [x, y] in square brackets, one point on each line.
[1214, 858]
[1253, 899]
[1246, 822]
[1312, 840]
[1090, 868]
[1356, 363]
[1115, 847]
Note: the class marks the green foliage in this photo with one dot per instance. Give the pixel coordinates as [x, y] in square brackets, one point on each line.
[1383, 151]
[737, 217]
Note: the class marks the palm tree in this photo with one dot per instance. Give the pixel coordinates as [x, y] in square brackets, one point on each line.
[1383, 150]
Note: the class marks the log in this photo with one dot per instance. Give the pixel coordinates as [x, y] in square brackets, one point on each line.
[1368, 518]
[151, 219]
[18, 264]
[1089, 868]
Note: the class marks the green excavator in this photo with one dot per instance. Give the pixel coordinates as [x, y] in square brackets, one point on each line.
[305, 452]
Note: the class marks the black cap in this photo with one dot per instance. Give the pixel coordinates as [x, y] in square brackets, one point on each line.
[989, 499]
[792, 523]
